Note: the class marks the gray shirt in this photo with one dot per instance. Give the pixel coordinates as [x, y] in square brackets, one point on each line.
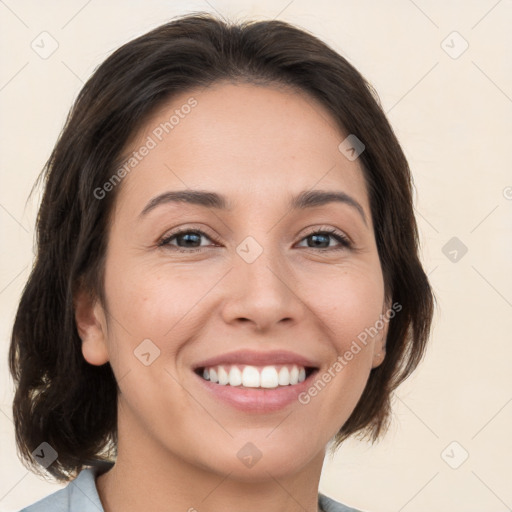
[81, 495]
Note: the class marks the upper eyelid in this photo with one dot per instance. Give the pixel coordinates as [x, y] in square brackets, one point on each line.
[186, 229]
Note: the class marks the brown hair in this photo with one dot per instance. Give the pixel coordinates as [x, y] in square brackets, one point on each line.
[72, 405]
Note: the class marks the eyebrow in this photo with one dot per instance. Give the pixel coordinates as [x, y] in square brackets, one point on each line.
[302, 201]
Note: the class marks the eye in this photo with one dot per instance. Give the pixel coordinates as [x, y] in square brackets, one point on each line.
[189, 240]
[320, 237]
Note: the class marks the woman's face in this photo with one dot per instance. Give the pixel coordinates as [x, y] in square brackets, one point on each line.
[255, 289]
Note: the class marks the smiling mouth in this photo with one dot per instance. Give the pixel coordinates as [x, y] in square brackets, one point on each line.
[256, 377]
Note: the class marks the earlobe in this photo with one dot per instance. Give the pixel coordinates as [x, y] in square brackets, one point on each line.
[91, 327]
[378, 357]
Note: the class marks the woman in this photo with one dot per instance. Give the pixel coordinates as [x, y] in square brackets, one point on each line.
[227, 277]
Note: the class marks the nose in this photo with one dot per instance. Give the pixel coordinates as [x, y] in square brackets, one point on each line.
[262, 293]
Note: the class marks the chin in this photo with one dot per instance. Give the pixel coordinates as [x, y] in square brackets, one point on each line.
[258, 461]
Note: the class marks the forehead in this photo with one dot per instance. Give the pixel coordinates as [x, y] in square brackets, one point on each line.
[248, 142]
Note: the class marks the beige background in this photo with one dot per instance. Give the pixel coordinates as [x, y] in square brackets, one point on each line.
[453, 118]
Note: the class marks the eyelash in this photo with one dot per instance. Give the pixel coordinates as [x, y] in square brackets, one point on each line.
[345, 243]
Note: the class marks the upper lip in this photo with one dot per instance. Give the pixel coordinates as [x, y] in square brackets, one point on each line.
[254, 358]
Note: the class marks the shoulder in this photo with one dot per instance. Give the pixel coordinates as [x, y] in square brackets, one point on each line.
[56, 502]
[80, 494]
[329, 505]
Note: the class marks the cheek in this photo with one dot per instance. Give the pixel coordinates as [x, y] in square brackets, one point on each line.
[153, 311]
[150, 301]
[151, 397]
[349, 308]
[348, 305]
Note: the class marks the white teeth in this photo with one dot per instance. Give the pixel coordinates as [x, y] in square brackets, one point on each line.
[235, 376]
[268, 377]
[223, 376]
[284, 376]
[250, 377]
[294, 375]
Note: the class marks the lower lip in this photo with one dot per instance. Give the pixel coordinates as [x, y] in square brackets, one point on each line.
[258, 400]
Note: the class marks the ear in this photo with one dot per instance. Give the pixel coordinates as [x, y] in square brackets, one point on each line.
[379, 345]
[92, 327]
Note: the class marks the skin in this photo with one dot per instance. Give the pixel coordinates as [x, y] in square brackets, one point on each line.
[257, 145]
